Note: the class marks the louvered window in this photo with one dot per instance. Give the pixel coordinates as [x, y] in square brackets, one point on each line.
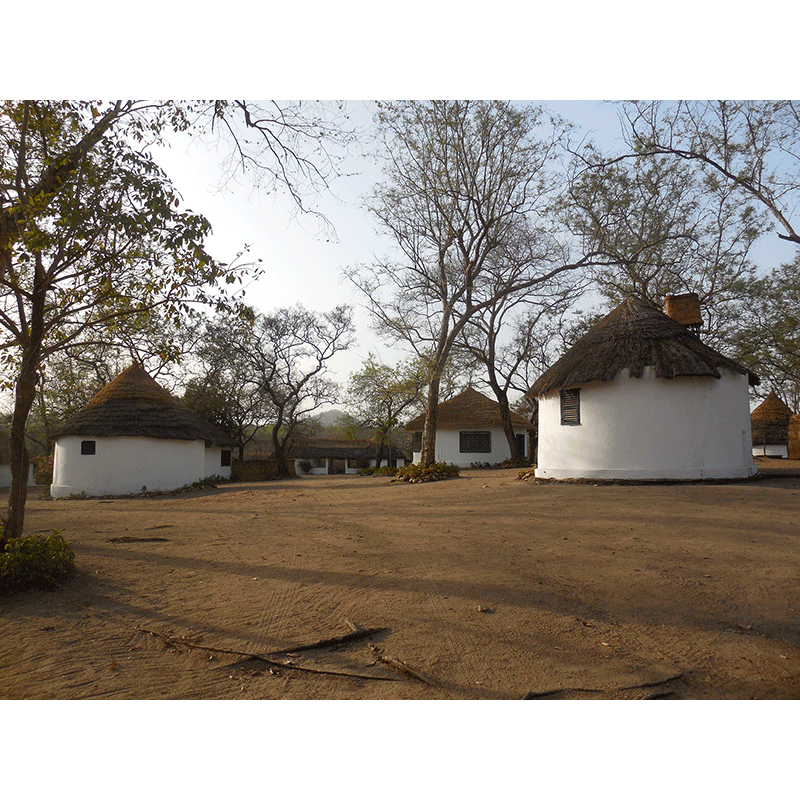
[475, 441]
[570, 406]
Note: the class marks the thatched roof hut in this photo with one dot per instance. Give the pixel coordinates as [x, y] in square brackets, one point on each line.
[469, 430]
[133, 404]
[770, 424]
[633, 336]
[470, 407]
[134, 434]
[640, 396]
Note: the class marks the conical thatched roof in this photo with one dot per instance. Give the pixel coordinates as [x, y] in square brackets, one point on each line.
[633, 336]
[133, 404]
[770, 421]
[468, 408]
[772, 408]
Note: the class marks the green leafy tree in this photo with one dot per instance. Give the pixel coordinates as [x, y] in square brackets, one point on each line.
[379, 395]
[91, 235]
[665, 231]
[766, 336]
[750, 146]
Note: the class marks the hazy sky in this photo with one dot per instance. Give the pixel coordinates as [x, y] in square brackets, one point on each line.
[303, 263]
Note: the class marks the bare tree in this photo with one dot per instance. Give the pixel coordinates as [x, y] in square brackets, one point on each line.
[510, 339]
[664, 230]
[465, 202]
[288, 353]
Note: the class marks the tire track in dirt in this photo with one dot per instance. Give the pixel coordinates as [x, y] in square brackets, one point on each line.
[458, 666]
[281, 598]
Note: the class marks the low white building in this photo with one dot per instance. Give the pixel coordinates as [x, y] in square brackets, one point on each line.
[343, 456]
[133, 435]
[469, 430]
[641, 397]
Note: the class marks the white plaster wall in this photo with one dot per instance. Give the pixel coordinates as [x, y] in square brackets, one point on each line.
[5, 476]
[650, 428]
[348, 470]
[771, 450]
[447, 447]
[123, 464]
[213, 464]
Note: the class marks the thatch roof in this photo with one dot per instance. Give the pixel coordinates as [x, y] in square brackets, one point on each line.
[470, 408]
[633, 336]
[772, 408]
[361, 449]
[133, 404]
[770, 421]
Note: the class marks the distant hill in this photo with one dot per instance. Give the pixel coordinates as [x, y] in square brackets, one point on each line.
[329, 418]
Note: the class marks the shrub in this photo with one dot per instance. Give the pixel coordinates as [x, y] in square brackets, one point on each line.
[305, 466]
[386, 471]
[35, 562]
[416, 473]
[507, 464]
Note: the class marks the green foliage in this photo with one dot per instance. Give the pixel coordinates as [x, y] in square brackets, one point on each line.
[43, 470]
[382, 472]
[35, 562]
[417, 473]
[509, 463]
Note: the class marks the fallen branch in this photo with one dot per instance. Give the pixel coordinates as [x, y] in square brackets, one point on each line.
[648, 685]
[175, 641]
[400, 666]
[358, 633]
[658, 695]
[117, 539]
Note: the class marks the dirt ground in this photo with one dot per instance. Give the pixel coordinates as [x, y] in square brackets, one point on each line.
[485, 587]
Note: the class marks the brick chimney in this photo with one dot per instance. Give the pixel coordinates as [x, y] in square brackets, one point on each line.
[684, 309]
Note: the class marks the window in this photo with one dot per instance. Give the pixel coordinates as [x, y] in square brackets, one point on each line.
[416, 442]
[88, 448]
[225, 460]
[521, 444]
[474, 442]
[570, 406]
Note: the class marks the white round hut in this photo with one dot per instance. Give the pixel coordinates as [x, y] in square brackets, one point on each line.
[134, 434]
[640, 397]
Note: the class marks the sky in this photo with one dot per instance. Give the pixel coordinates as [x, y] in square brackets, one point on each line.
[303, 262]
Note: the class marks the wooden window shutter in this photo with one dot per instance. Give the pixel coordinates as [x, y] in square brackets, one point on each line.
[570, 406]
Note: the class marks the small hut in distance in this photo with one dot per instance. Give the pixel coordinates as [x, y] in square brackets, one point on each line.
[770, 424]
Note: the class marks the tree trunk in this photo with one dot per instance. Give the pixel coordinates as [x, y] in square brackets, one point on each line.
[25, 394]
[379, 454]
[508, 428]
[428, 456]
[20, 459]
[280, 449]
